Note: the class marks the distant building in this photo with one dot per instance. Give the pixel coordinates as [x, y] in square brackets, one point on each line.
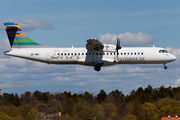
[170, 118]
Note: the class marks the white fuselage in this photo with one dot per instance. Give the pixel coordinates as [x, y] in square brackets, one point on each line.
[127, 55]
[95, 54]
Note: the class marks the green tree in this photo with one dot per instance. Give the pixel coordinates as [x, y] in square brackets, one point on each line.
[45, 96]
[24, 109]
[100, 113]
[67, 106]
[53, 110]
[3, 116]
[37, 94]
[177, 96]
[101, 96]
[175, 111]
[26, 98]
[13, 111]
[110, 110]
[151, 112]
[165, 111]
[13, 99]
[135, 108]
[130, 117]
[83, 111]
[168, 101]
[118, 96]
[10, 110]
[32, 114]
[66, 117]
[57, 104]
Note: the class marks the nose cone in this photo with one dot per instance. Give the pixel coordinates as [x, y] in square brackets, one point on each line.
[173, 57]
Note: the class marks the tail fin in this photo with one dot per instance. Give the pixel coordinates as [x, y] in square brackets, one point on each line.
[17, 39]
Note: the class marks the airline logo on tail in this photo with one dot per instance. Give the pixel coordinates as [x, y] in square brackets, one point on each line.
[17, 39]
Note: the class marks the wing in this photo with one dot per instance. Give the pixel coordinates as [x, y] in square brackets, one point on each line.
[94, 44]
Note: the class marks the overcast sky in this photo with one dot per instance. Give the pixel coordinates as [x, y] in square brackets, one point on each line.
[63, 23]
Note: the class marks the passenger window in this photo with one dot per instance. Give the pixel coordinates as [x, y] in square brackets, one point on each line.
[111, 53]
[124, 53]
[64, 53]
[121, 53]
[89, 53]
[78, 53]
[68, 53]
[127, 53]
[100, 53]
[141, 53]
[134, 53]
[107, 53]
[61, 53]
[74, 53]
[92, 53]
[96, 53]
[86, 53]
[82, 53]
[138, 53]
[103, 53]
[71, 53]
[131, 53]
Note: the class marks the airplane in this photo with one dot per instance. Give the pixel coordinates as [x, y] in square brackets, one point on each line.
[94, 54]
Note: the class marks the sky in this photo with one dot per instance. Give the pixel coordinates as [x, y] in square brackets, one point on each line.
[66, 23]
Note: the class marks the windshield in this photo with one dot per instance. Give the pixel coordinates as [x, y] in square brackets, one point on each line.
[163, 51]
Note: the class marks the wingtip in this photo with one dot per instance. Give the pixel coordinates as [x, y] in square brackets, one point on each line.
[10, 23]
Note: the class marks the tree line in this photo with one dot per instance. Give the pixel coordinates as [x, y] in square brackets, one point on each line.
[141, 104]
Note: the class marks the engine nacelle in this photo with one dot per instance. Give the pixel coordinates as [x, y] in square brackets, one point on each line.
[109, 48]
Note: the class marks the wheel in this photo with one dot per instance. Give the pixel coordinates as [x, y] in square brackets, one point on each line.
[97, 67]
[165, 67]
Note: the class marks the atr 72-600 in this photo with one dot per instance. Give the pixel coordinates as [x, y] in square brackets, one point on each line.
[95, 54]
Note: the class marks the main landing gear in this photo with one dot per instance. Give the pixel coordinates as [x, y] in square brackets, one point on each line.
[97, 67]
[165, 67]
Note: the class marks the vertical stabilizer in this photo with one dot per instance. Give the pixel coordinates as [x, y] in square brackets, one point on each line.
[17, 39]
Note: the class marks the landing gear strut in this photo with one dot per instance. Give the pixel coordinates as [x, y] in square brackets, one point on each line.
[97, 67]
[165, 67]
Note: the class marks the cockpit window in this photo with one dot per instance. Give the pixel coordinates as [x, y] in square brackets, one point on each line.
[163, 51]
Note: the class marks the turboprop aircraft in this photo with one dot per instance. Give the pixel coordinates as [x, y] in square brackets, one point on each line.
[95, 54]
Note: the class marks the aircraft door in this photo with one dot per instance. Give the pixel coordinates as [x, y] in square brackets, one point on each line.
[56, 54]
[48, 56]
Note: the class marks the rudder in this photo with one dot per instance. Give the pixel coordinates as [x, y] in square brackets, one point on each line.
[17, 39]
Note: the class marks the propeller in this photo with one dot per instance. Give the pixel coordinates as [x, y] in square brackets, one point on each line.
[118, 46]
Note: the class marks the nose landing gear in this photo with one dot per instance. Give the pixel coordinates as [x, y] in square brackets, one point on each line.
[165, 67]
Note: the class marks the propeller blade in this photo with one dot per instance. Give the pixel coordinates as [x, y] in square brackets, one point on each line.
[118, 44]
[118, 47]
